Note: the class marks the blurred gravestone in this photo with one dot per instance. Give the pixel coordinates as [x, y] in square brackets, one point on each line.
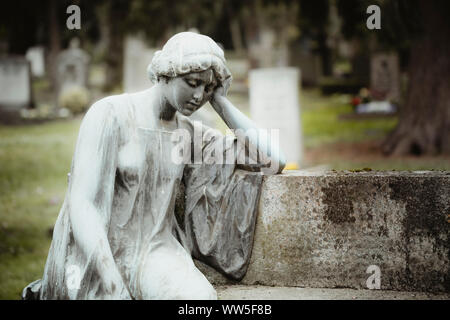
[239, 69]
[72, 68]
[137, 57]
[15, 84]
[385, 77]
[265, 51]
[274, 104]
[310, 65]
[36, 57]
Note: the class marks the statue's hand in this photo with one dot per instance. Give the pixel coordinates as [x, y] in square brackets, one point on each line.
[219, 93]
[221, 90]
[113, 284]
[115, 287]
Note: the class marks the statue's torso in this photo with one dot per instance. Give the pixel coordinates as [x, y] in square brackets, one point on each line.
[145, 187]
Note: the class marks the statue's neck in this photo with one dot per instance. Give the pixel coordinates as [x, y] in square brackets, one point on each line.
[167, 112]
[163, 109]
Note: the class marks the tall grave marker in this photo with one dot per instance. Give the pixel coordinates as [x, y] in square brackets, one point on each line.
[274, 104]
[72, 67]
[385, 76]
[15, 84]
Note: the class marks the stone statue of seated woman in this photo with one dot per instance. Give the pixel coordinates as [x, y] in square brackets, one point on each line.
[116, 236]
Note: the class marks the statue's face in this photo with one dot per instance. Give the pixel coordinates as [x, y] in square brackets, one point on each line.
[189, 92]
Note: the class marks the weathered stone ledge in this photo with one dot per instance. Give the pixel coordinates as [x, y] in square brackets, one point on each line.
[324, 229]
[248, 292]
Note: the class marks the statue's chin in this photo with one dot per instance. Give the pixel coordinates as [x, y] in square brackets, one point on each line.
[187, 111]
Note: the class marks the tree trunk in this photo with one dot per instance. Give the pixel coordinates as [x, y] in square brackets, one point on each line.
[54, 42]
[424, 122]
[325, 54]
[113, 31]
[236, 38]
[235, 27]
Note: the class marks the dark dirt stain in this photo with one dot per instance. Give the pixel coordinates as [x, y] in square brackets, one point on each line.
[425, 215]
[339, 196]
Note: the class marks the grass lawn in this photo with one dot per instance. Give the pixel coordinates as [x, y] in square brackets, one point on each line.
[321, 125]
[35, 160]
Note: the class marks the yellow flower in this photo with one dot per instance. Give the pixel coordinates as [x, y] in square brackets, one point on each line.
[291, 166]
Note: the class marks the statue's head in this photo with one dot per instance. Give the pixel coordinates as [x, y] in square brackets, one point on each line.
[189, 67]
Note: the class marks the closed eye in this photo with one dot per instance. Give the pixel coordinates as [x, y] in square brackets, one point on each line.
[191, 83]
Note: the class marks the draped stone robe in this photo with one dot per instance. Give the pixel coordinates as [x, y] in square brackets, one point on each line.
[134, 186]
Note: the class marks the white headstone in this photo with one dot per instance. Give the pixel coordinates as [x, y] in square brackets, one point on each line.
[274, 104]
[385, 76]
[36, 57]
[137, 57]
[15, 83]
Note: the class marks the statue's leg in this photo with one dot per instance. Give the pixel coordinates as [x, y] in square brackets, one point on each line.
[169, 273]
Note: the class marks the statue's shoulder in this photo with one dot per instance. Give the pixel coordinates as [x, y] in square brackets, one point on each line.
[113, 103]
[112, 108]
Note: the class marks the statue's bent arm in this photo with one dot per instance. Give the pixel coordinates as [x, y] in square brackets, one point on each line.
[235, 119]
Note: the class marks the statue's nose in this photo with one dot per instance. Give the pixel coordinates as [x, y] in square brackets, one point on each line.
[198, 95]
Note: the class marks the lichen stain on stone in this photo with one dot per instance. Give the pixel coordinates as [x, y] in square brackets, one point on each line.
[425, 211]
[425, 215]
[339, 196]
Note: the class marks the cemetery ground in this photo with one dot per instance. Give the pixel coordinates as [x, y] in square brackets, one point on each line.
[35, 160]
[352, 144]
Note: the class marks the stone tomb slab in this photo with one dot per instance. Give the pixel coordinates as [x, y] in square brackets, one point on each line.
[15, 84]
[325, 229]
